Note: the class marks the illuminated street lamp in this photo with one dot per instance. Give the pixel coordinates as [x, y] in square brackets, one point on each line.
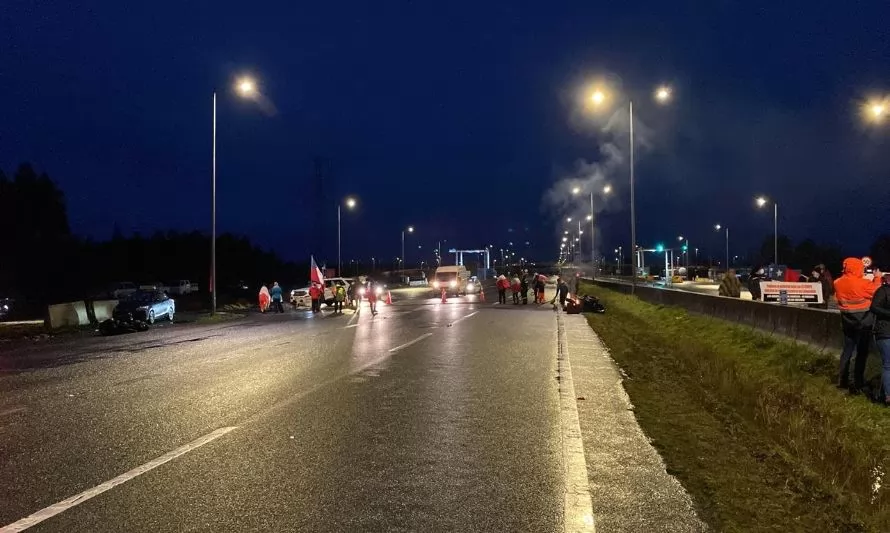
[350, 203]
[876, 110]
[718, 227]
[409, 229]
[761, 202]
[598, 97]
[577, 190]
[246, 88]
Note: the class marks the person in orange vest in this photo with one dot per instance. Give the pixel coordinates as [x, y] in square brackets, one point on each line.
[854, 294]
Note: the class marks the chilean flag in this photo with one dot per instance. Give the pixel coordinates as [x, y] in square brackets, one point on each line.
[315, 274]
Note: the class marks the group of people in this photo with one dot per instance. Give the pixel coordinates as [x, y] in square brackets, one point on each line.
[519, 284]
[731, 286]
[341, 295]
[271, 298]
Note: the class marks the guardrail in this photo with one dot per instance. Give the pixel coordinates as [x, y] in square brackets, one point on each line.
[817, 327]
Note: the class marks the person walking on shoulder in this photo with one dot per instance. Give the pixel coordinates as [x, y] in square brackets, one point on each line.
[854, 294]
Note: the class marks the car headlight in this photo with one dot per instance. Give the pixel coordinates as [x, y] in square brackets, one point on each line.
[469, 286]
[452, 284]
[435, 284]
[379, 291]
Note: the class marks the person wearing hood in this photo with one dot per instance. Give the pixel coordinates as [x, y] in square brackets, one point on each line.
[502, 286]
[880, 306]
[275, 293]
[515, 286]
[754, 283]
[730, 285]
[854, 299]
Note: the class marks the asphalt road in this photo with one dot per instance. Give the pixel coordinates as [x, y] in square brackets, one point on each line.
[428, 417]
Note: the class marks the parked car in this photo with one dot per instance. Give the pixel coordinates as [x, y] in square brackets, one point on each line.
[6, 305]
[121, 289]
[300, 297]
[329, 288]
[180, 286]
[145, 306]
[154, 286]
[474, 286]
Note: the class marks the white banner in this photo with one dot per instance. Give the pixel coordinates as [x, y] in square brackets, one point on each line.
[787, 292]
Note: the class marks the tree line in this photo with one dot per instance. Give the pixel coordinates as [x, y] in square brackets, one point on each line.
[42, 261]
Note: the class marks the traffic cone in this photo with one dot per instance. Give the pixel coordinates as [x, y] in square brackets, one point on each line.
[388, 298]
[444, 298]
[481, 294]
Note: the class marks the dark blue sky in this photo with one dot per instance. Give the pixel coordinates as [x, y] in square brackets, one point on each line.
[455, 117]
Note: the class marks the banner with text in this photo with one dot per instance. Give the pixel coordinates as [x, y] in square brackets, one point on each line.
[785, 292]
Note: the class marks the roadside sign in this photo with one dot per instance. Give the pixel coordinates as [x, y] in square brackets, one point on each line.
[786, 292]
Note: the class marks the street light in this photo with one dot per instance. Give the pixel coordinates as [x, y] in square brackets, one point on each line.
[718, 227]
[876, 110]
[681, 239]
[606, 190]
[409, 229]
[350, 203]
[246, 88]
[663, 96]
[762, 201]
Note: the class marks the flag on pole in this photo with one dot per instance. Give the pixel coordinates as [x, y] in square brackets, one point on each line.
[315, 275]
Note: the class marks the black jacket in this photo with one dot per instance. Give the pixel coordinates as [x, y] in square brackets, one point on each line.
[880, 307]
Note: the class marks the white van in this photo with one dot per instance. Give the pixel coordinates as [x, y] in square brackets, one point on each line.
[453, 279]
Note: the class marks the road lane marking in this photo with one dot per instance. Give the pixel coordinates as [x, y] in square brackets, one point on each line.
[350, 326]
[577, 505]
[352, 318]
[397, 348]
[77, 499]
[465, 317]
[13, 410]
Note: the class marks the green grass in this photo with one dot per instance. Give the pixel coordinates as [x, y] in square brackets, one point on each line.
[752, 425]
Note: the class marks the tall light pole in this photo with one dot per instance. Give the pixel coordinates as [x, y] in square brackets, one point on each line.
[246, 88]
[717, 227]
[662, 95]
[590, 218]
[762, 201]
[350, 203]
[409, 229]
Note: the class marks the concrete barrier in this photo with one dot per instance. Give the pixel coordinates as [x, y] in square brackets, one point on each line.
[67, 315]
[816, 327]
[102, 309]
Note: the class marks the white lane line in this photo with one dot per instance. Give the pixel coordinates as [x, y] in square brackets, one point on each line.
[352, 318]
[13, 410]
[577, 505]
[77, 499]
[397, 348]
[465, 317]
[350, 326]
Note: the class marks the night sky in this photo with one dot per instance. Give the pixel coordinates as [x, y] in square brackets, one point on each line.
[456, 117]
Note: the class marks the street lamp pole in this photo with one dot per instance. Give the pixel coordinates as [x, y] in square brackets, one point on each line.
[727, 246]
[402, 265]
[592, 237]
[339, 265]
[633, 209]
[213, 217]
[776, 232]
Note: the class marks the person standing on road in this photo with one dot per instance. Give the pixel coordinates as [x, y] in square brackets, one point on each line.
[515, 285]
[880, 306]
[562, 292]
[339, 298]
[854, 298]
[315, 294]
[523, 288]
[730, 285]
[371, 293]
[275, 293]
[502, 285]
[754, 280]
[540, 280]
[821, 275]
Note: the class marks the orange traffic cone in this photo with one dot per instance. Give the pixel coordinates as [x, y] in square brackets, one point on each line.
[481, 294]
[444, 298]
[388, 298]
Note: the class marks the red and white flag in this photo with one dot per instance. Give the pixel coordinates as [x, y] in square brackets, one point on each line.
[315, 275]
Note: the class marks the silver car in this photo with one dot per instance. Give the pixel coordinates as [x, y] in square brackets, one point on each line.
[145, 306]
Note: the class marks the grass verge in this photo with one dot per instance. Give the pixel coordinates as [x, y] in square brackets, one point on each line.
[752, 425]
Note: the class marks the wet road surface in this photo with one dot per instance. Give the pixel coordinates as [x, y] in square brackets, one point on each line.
[427, 417]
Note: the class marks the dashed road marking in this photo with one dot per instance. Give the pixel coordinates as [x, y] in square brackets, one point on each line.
[77, 499]
[13, 410]
[415, 341]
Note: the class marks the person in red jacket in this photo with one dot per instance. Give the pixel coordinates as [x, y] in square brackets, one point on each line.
[503, 284]
[854, 293]
[316, 293]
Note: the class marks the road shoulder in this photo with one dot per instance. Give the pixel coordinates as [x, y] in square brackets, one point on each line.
[630, 488]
